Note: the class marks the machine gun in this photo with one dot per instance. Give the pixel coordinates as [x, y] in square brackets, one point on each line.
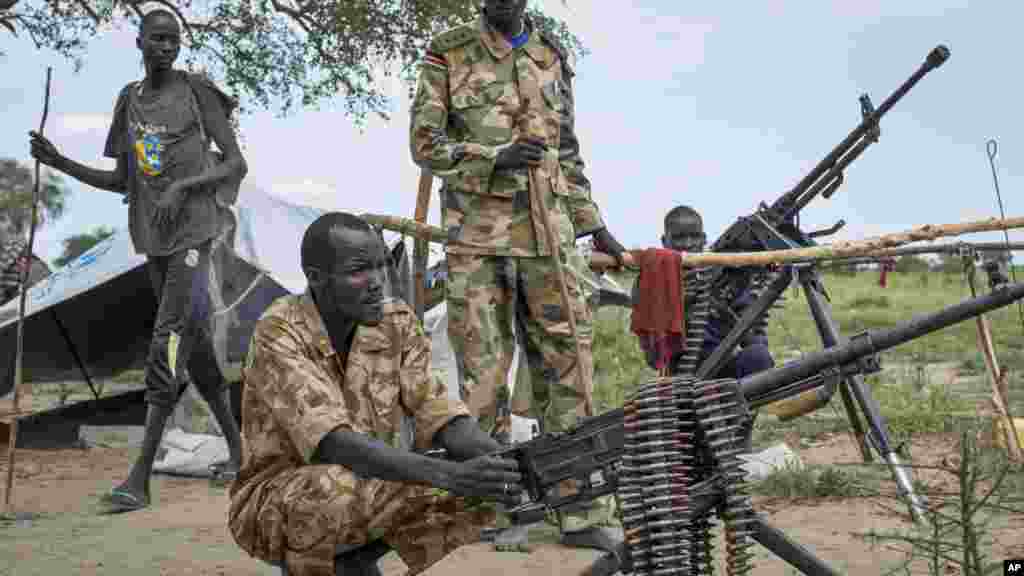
[713, 293]
[670, 455]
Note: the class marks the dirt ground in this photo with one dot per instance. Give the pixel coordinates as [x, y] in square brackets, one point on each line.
[58, 528]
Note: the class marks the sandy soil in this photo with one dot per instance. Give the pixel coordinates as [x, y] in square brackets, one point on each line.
[59, 529]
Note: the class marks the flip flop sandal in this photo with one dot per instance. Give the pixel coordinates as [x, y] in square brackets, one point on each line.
[124, 501]
[511, 539]
[222, 473]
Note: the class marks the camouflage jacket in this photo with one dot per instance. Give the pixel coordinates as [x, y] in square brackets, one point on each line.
[296, 389]
[477, 94]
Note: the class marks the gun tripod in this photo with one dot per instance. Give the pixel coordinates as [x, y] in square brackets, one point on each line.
[853, 392]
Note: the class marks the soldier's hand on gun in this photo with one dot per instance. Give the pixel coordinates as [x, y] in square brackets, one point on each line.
[43, 150]
[526, 151]
[487, 477]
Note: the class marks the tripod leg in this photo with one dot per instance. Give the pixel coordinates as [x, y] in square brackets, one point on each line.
[829, 332]
[794, 554]
[859, 432]
[877, 427]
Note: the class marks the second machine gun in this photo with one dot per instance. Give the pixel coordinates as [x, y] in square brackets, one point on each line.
[671, 456]
[712, 292]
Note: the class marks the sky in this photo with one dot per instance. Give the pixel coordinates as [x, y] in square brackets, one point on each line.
[717, 105]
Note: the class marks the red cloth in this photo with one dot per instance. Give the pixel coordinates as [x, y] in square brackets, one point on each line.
[658, 313]
[887, 265]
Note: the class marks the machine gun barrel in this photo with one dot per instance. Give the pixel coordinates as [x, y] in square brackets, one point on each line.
[868, 343]
[841, 156]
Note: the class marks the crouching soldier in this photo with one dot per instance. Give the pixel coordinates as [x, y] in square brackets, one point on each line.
[328, 484]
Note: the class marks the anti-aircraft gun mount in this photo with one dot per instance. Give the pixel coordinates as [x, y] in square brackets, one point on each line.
[776, 227]
[670, 455]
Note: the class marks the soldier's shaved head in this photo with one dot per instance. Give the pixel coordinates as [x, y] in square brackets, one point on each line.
[684, 230]
[345, 262]
[320, 246]
[153, 15]
[683, 212]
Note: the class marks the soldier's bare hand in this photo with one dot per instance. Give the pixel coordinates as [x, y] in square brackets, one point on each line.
[526, 151]
[43, 150]
[495, 479]
[605, 242]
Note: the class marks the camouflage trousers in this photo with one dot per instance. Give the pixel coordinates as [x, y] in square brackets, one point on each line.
[489, 295]
[303, 518]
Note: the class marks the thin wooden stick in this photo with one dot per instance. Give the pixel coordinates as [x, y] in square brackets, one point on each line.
[584, 387]
[421, 248]
[18, 375]
[999, 400]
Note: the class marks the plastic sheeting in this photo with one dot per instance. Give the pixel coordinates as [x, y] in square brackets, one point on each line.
[98, 311]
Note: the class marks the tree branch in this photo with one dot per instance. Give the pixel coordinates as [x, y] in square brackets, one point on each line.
[296, 16]
[88, 10]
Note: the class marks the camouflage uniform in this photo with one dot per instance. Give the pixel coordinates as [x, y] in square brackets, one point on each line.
[286, 509]
[476, 95]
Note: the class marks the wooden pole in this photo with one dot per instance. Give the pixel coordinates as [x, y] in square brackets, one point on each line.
[996, 376]
[12, 439]
[847, 248]
[529, 126]
[556, 257]
[421, 245]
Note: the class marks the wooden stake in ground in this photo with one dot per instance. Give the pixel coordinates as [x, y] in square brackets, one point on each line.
[421, 248]
[996, 376]
[12, 438]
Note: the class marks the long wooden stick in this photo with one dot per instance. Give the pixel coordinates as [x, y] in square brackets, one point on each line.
[18, 375]
[999, 399]
[421, 246]
[563, 289]
[847, 248]
[529, 125]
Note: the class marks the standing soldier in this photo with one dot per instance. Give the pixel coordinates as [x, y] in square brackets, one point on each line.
[477, 84]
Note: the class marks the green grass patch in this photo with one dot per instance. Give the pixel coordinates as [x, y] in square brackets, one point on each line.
[619, 363]
[909, 411]
[814, 481]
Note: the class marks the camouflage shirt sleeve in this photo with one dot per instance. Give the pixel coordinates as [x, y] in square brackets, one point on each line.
[423, 395]
[429, 137]
[304, 400]
[586, 216]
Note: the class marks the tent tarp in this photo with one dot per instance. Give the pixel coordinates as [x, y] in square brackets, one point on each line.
[101, 307]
